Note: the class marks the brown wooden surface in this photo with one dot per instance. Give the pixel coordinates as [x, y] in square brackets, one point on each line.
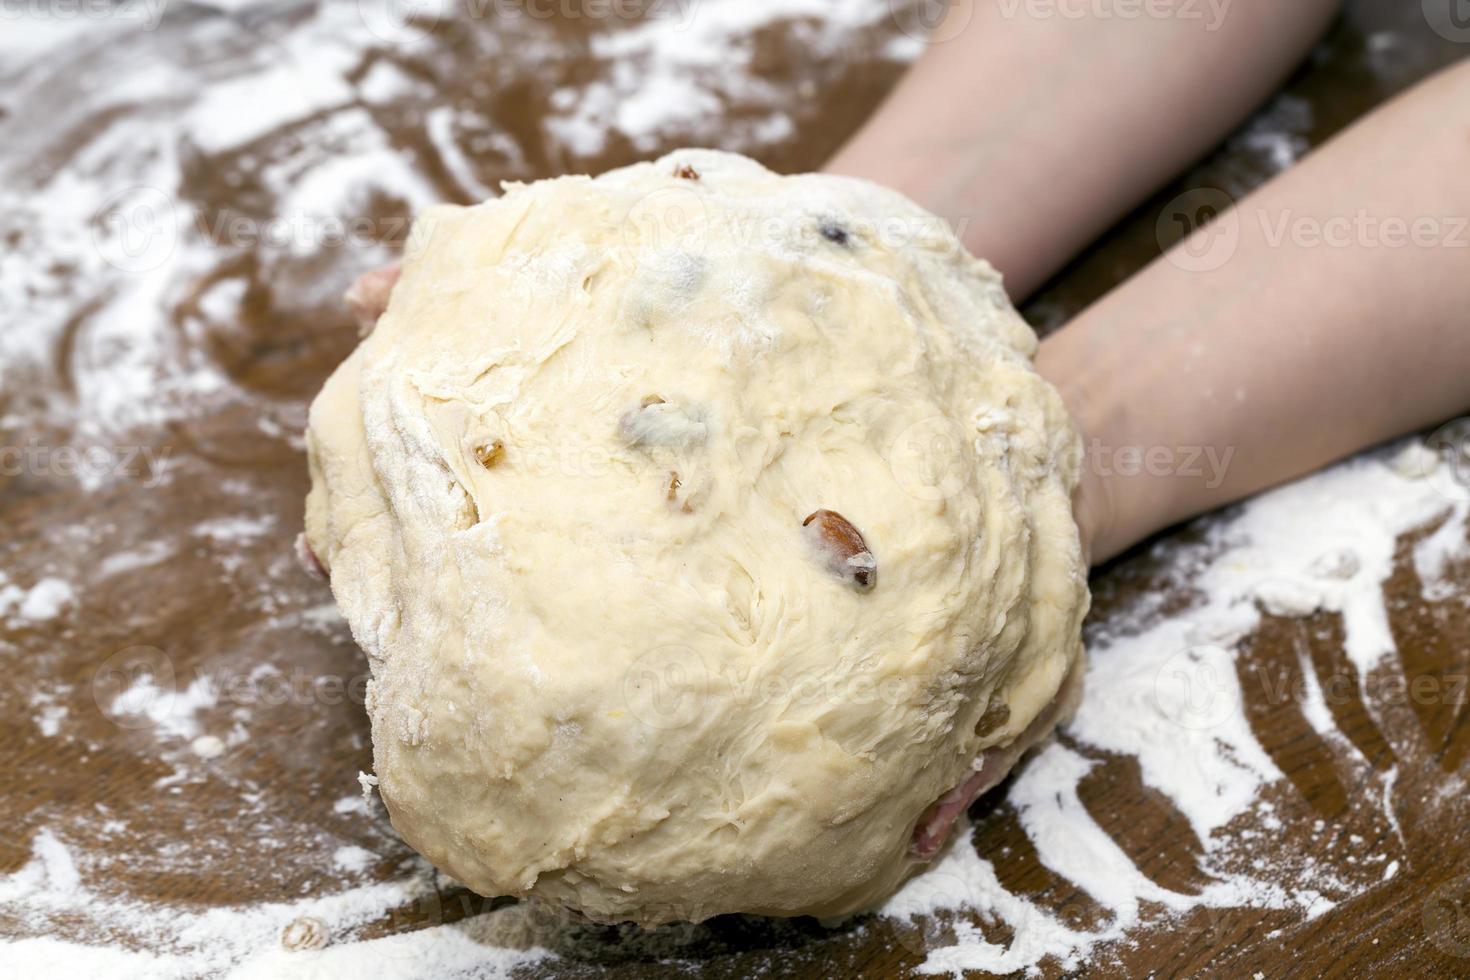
[258, 823]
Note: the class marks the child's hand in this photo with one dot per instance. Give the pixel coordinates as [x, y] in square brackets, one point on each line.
[1335, 319]
[368, 297]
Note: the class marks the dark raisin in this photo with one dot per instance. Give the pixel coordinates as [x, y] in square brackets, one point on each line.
[834, 232]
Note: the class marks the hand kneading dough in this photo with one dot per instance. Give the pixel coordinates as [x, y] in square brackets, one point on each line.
[561, 492]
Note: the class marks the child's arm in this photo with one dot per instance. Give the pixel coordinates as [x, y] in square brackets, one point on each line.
[1339, 317]
[1036, 123]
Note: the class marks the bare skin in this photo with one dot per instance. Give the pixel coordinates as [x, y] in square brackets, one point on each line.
[1289, 334]
[1031, 125]
[1255, 345]
[1324, 314]
[367, 298]
[1328, 328]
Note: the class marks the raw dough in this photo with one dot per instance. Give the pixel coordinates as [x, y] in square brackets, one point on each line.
[568, 494]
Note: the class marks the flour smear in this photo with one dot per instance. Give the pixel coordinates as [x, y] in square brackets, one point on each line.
[1161, 688]
[1326, 542]
[1165, 693]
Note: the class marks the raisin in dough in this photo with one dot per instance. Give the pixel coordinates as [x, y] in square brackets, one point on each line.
[703, 527]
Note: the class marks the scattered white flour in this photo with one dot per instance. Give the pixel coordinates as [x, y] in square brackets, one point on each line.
[130, 561]
[1166, 693]
[49, 712]
[46, 600]
[670, 72]
[235, 530]
[245, 109]
[29, 38]
[49, 719]
[42, 602]
[114, 240]
[1279, 134]
[325, 619]
[385, 82]
[1314, 702]
[171, 713]
[1389, 779]
[1163, 692]
[350, 804]
[1432, 557]
[1273, 140]
[246, 942]
[439, 123]
[207, 747]
[353, 859]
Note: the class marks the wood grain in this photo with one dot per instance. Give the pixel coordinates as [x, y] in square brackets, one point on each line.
[261, 822]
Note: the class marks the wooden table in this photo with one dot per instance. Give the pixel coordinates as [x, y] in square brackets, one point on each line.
[208, 584]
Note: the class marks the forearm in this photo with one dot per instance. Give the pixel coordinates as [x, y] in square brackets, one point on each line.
[1033, 124]
[1340, 318]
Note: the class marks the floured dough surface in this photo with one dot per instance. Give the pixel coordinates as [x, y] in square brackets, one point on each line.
[702, 526]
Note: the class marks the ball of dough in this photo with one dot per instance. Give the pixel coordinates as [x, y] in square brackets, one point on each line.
[702, 527]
